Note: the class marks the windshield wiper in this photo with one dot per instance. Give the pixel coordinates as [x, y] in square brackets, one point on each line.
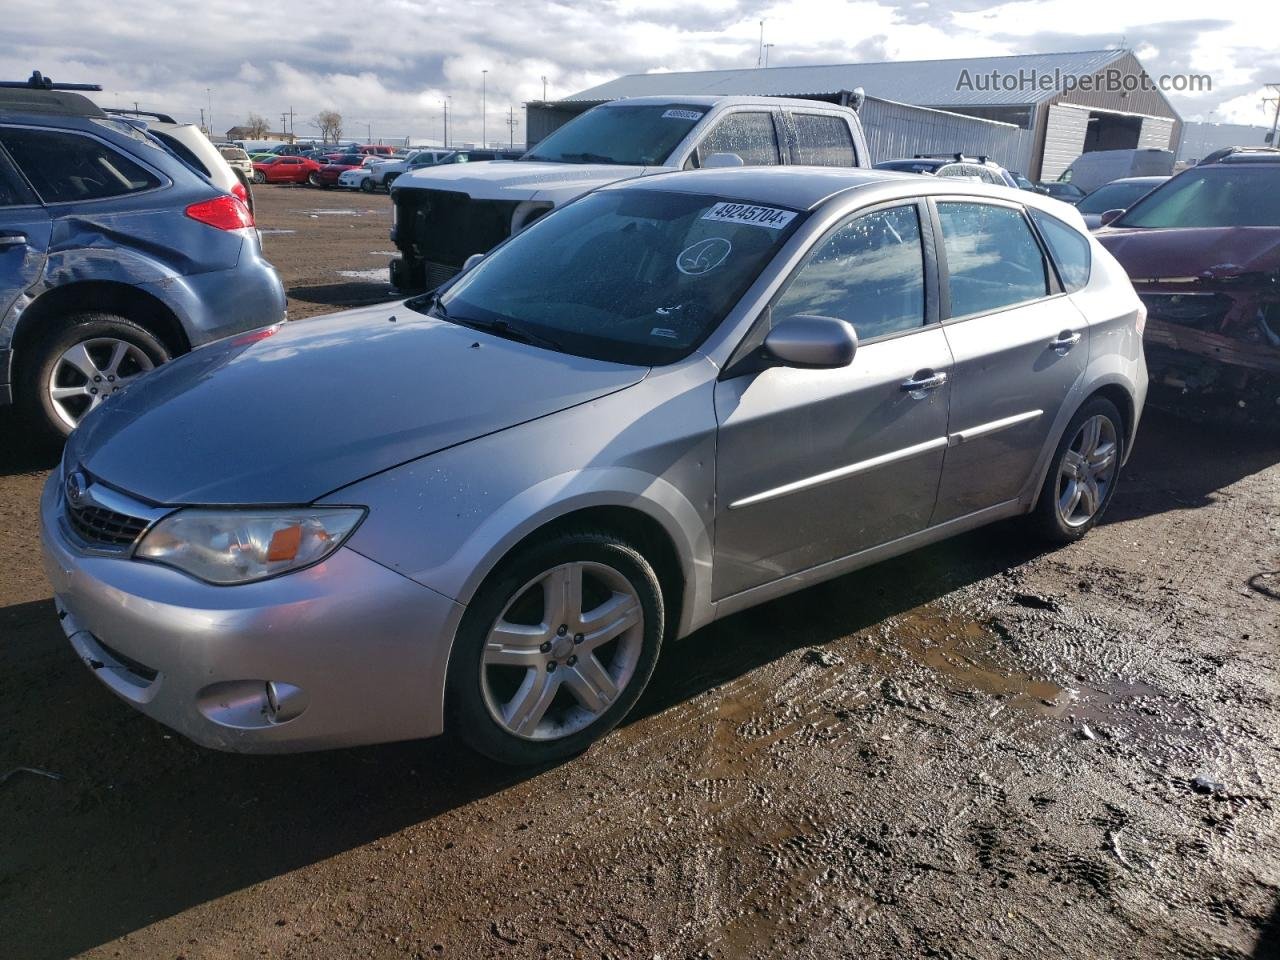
[586, 158]
[502, 328]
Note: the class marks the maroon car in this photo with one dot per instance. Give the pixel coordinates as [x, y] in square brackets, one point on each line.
[332, 166]
[1203, 252]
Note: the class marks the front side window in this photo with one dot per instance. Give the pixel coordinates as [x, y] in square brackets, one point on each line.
[993, 260]
[633, 276]
[750, 135]
[639, 135]
[1069, 247]
[870, 272]
[13, 192]
[71, 167]
[1213, 196]
[823, 140]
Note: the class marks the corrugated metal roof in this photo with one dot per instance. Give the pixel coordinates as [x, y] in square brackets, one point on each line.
[929, 83]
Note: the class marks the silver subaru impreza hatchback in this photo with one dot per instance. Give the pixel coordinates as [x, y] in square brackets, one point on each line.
[488, 508]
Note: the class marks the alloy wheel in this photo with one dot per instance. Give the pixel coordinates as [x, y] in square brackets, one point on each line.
[90, 371]
[562, 651]
[1087, 471]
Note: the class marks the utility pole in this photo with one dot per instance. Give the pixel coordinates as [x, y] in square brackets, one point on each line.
[544, 89]
[291, 130]
[511, 127]
[444, 116]
[767, 48]
[206, 130]
[284, 124]
[209, 93]
[368, 127]
[1275, 121]
[484, 106]
[760, 49]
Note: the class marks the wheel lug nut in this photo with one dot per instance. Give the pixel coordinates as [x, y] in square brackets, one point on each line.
[551, 667]
[578, 638]
[562, 630]
[93, 390]
[97, 379]
[572, 660]
[111, 379]
[545, 646]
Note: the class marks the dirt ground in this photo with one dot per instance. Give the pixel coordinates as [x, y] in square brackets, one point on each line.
[978, 750]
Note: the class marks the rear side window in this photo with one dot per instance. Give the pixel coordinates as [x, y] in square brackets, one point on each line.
[66, 166]
[993, 259]
[1070, 249]
[750, 135]
[13, 192]
[870, 272]
[823, 140]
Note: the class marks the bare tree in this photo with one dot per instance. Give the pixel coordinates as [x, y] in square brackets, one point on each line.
[256, 128]
[329, 123]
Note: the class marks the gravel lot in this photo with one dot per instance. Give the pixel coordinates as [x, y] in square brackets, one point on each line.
[978, 750]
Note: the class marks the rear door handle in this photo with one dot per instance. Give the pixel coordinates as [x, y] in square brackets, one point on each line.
[1065, 341]
[923, 382]
[12, 239]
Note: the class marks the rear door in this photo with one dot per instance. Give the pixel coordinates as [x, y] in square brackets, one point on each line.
[820, 139]
[815, 465]
[1019, 344]
[25, 227]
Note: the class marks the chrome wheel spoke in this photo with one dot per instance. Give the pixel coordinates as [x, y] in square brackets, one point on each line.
[613, 617]
[1090, 498]
[515, 645]
[118, 353]
[529, 705]
[1070, 498]
[1101, 459]
[562, 596]
[1073, 463]
[78, 357]
[1090, 433]
[66, 393]
[591, 684]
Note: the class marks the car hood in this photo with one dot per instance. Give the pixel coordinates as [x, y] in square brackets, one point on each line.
[285, 417]
[1199, 252]
[519, 179]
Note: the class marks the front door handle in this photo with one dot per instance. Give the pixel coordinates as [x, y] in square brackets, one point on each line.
[923, 382]
[1065, 341]
[12, 239]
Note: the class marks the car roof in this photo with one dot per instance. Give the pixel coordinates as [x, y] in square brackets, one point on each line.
[804, 188]
[703, 100]
[59, 103]
[1138, 180]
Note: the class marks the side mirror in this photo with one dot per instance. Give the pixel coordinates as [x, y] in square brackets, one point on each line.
[471, 261]
[722, 160]
[817, 343]
[1108, 216]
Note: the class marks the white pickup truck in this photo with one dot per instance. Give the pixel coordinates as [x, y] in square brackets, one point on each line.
[444, 214]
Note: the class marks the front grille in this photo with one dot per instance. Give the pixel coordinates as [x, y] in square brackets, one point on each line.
[100, 526]
[438, 273]
[446, 226]
[140, 670]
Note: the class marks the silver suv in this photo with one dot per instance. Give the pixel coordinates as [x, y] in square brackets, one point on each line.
[673, 399]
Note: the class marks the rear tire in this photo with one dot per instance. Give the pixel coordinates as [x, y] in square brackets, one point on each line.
[56, 382]
[259, 177]
[366, 185]
[1082, 474]
[532, 683]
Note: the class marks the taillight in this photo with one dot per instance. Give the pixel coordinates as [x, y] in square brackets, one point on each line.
[1140, 321]
[225, 213]
[241, 191]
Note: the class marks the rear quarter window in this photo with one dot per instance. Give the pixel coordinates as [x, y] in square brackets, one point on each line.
[70, 167]
[1069, 248]
[823, 140]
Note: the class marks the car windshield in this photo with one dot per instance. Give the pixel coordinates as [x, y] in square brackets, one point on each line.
[1113, 196]
[631, 276]
[639, 135]
[1216, 196]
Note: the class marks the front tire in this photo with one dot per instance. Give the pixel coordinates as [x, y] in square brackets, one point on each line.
[366, 185]
[1082, 475]
[78, 363]
[555, 648]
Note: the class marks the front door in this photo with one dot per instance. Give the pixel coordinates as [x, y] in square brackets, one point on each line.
[814, 465]
[24, 236]
[1019, 348]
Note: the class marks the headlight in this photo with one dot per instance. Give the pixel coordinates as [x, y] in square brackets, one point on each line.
[240, 546]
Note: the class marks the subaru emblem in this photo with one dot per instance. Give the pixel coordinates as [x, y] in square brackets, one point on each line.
[76, 486]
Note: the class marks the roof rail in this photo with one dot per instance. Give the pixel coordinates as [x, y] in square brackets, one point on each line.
[38, 81]
[162, 117]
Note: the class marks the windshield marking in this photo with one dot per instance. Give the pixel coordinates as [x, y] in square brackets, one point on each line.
[703, 256]
[772, 217]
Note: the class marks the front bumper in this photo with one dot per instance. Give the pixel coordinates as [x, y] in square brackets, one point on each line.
[357, 653]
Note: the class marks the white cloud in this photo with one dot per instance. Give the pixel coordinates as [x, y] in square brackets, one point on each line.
[387, 66]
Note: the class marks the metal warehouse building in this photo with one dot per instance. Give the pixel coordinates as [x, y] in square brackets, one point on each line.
[1033, 113]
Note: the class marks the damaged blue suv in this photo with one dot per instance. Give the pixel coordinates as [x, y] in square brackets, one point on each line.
[115, 255]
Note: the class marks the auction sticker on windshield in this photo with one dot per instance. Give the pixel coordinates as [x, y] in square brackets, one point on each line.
[771, 217]
[682, 115]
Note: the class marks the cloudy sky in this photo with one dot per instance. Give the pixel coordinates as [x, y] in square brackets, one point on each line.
[387, 64]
